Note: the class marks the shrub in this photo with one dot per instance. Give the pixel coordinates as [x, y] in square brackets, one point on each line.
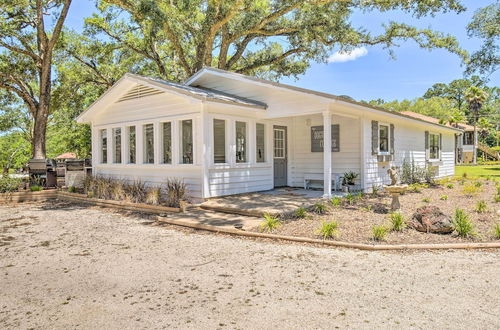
[319, 208]
[397, 221]
[136, 191]
[336, 201]
[464, 175]
[481, 206]
[450, 186]
[349, 178]
[444, 198]
[478, 184]
[496, 230]
[176, 192]
[9, 184]
[300, 212]
[417, 187]
[375, 190]
[350, 198]
[412, 173]
[379, 232]
[328, 229]
[270, 223]
[497, 199]
[117, 190]
[153, 196]
[359, 196]
[462, 224]
[426, 200]
[470, 190]
[36, 188]
[71, 189]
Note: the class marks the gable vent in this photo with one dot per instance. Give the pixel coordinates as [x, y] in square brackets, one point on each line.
[137, 92]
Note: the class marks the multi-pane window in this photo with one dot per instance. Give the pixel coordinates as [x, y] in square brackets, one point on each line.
[279, 143]
[260, 143]
[241, 142]
[383, 138]
[167, 143]
[434, 146]
[131, 144]
[149, 142]
[104, 146]
[219, 141]
[117, 145]
[187, 141]
[468, 138]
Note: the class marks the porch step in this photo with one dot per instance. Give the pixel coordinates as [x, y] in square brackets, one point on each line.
[237, 211]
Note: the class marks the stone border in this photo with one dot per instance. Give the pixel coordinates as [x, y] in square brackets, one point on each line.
[359, 246]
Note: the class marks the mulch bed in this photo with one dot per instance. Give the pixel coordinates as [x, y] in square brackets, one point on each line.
[356, 221]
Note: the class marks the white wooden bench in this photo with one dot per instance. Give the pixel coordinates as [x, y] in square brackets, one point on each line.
[336, 179]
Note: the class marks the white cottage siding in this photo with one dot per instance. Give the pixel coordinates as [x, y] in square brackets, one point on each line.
[307, 162]
[409, 145]
[232, 181]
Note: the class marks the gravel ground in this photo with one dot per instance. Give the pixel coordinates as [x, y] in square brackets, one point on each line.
[68, 266]
[356, 222]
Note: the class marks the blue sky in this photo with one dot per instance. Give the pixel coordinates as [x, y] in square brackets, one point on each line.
[375, 74]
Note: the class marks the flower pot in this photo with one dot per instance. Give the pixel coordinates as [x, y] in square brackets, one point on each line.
[345, 189]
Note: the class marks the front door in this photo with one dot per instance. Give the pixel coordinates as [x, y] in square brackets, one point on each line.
[280, 156]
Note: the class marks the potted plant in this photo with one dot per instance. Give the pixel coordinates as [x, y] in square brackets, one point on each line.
[348, 181]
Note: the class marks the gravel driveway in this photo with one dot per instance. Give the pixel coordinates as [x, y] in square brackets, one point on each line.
[68, 266]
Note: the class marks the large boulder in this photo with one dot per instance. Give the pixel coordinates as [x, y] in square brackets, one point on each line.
[430, 219]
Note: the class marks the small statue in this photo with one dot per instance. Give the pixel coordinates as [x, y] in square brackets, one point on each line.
[394, 174]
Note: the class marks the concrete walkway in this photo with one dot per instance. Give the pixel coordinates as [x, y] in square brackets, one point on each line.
[276, 201]
[212, 218]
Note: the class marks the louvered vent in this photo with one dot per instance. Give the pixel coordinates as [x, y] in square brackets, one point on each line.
[137, 92]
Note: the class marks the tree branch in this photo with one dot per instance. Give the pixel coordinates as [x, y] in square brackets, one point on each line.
[59, 25]
[271, 61]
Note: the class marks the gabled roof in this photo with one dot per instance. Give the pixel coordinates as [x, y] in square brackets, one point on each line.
[202, 94]
[193, 81]
[430, 119]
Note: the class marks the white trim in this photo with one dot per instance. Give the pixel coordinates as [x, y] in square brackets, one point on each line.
[388, 152]
[432, 160]
[327, 154]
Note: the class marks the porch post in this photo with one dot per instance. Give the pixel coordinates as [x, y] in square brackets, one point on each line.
[327, 154]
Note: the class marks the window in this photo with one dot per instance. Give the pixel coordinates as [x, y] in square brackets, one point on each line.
[279, 143]
[117, 144]
[383, 138]
[131, 144]
[167, 143]
[219, 141]
[149, 142]
[468, 138]
[104, 146]
[433, 146]
[187, 141]
[241, 142]
[260, 143]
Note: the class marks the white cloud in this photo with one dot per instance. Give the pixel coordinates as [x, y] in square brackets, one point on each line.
[347, 56]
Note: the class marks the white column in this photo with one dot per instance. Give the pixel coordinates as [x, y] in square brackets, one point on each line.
[206, 150]
[139, 147]
[96, 149]
[327, 154]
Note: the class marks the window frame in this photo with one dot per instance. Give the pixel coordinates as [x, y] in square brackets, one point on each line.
[226, 149]
[162, 142]
[264, 160]
[437, 146]
[128, 139]
[388, 152]
[471, 135]
[114, 145]
[181, 142]
[247, 154]
[103, 152]
[144, 144]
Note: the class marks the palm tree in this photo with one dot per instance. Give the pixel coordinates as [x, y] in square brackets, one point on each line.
[475, 97]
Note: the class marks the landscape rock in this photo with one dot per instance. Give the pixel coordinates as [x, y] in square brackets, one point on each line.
[430, 219]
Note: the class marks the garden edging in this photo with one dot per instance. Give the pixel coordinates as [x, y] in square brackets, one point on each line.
[359, 246]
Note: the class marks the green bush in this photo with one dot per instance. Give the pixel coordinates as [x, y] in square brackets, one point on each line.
[336, 201]
[444, 198]
[478, 184]
[450, 186]
[397, 220]
[300, 213]
[270, 223]
[462, 224]
[497, 199]
[379, 232]
[426, 200]
[319, 208]
[8, 184]
[350, 198]
[481, 206]
[470, 190]
[328, 229]
[36, 188]
[359, 196]
[412, 173]
[496, 230]
[72, 189]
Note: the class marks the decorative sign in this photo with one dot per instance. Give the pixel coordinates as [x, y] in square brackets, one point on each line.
[317, 138]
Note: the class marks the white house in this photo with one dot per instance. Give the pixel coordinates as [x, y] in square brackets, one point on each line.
[225, 133]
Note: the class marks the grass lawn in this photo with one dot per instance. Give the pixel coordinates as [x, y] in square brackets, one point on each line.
[486, 170]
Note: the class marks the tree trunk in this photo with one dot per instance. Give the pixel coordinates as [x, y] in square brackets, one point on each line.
[39, 133]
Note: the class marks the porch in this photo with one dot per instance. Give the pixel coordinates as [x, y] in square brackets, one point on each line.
[277, 201]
